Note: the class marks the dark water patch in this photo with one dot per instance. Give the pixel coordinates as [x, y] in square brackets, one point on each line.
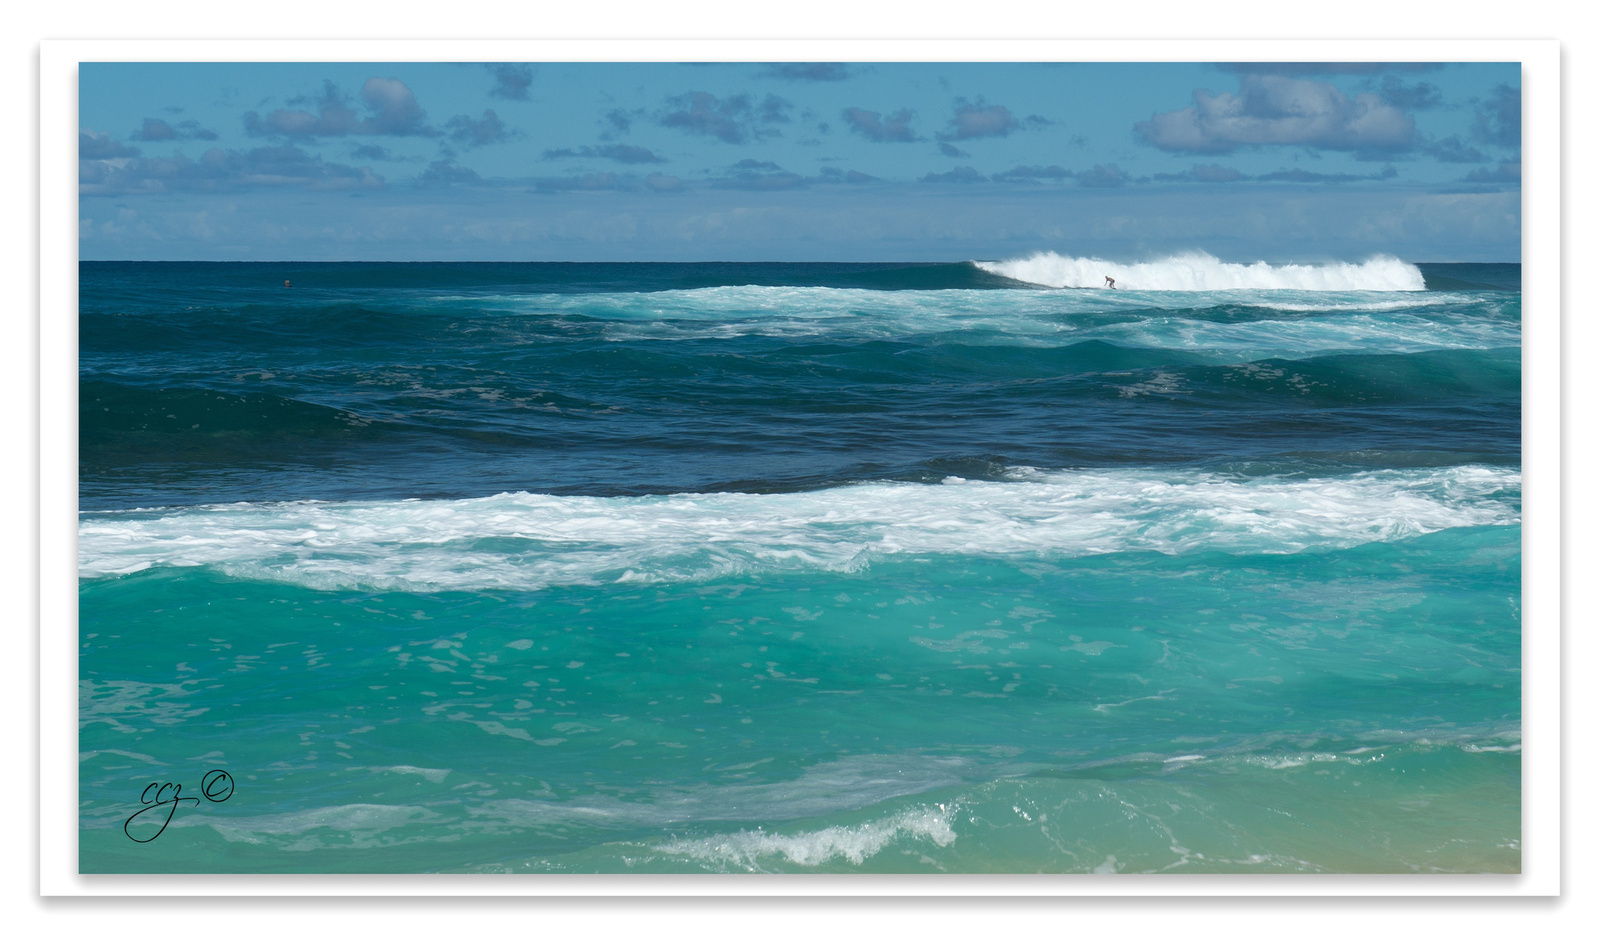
[395, 380]
[320, 326]
[176, 286]
[1454, 277]
[1375, 378]
[665, 457]
[107, 408]
[156, 279]
[659, 418]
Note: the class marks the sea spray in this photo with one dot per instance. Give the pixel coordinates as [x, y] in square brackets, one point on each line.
[1195, 271]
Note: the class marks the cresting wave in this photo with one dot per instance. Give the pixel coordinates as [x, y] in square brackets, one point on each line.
[529, 541]
[855, 844]
[1197, 271]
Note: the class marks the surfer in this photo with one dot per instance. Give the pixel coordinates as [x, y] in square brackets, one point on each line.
[286, 284]
[1110, 283]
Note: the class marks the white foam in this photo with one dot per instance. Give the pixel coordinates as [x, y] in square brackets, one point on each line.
[855, 844]
[531, 541]
[1400, 331]
[430, 774]
[355, 825]
[828, 788]
[1199, 271]
[1412, 321]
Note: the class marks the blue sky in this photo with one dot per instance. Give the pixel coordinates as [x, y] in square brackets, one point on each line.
[798, 161]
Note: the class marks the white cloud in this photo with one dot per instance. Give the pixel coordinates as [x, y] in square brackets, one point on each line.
[1274, 110]
[896, 128]
[393, 111]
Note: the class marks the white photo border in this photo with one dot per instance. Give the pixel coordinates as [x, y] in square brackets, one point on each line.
[1541, 465]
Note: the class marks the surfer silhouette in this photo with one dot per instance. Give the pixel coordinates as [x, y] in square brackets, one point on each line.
[286, 284]
[1110, 283]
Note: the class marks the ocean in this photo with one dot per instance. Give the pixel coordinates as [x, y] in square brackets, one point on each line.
[800, 567]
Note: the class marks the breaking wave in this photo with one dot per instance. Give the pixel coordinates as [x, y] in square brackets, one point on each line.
[531, 541]
[1193, 272]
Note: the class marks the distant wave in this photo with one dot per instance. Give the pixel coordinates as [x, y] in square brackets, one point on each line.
[1200, 271]
[531, 541]
[1282, 322]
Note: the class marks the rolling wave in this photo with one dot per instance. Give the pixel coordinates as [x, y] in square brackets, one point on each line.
[106, 407]
[530, 541]
[1281, 322]
[1197, 271]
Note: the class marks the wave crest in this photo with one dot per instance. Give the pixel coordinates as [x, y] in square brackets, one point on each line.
[1199, 271]
[855, 844]
[532, 541]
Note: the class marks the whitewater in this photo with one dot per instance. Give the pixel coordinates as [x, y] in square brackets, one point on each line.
[1198, 271]
[525, 541]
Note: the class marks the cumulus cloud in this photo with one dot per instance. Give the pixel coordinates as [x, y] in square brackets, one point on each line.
[372, 152]
[734, 119]
[155, 129]
[655, 182]
[511, 80]
[1452, 150]
[618, 122]
[1505, 172]
[975, 119]
[1419, 96]
[1107, 176]
[616, 152]
[221, 170]
[952, 151]
[1272, 110]
[758, 175]
[775, 109]
[1304, 175]
[469, 132]
[852, 177]
[445, 172]
[1326, 68]
[896, 128]
[1033, 174]
[808, 71]
[960, 174]
[92, 145]
[588, 182]
[392, 110]
[1499, 119]
[1214, 174]
[1207, 173]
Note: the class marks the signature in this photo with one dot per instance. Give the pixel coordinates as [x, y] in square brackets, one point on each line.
[216, 786]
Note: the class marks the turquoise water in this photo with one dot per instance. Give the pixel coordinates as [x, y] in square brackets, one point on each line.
[864, 579]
